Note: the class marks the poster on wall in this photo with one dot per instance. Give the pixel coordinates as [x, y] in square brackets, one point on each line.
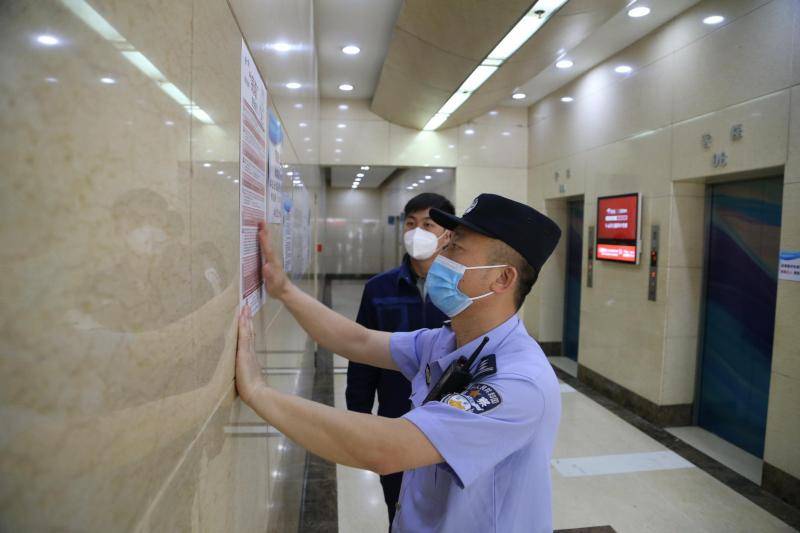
[288, 234]
[252, 180]
[275, 184]
[789, 265]
[618, 221]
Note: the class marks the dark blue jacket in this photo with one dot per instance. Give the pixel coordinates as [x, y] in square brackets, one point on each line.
[391, 302]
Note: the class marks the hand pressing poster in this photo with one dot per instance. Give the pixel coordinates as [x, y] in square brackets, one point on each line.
[253, 180]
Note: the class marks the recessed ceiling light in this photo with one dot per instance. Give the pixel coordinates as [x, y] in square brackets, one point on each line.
[345, 87]
[220, 172]
[51, 79]
[409, 187]
[344, 107]
[493, 112]
[293, 85]
[564, 63]
[341, 126]
[354, 186]
[567, 99]
[338, 150]
[298, 106]
[338, 139]
[108, 81]
[506, 133]
[365, 167]
[302, 124]
[281, 47]
[285, 165]
[623, 69]
[415, 184]
[421, 181]
[236, 181]
[290, 173]
[47, 40]
[451, 145]
[439, 170]
[639, 11]
[306, 139]
[427, 177]
[169, 123]
[469, 131]
[357, 180]
[519, 96]
[713, 19]
[360, 175]
[206, 165]
[351, 49]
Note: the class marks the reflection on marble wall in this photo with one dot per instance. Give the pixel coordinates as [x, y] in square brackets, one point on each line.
[119, 246]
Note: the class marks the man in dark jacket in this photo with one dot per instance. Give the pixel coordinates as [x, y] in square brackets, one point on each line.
[395, 301]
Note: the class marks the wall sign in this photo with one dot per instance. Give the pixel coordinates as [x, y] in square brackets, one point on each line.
[789, 265]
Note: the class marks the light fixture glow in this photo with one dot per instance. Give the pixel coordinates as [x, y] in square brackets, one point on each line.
[439, 170]
[281, 47]
[469, 131]
[220, 172]
[343, 107]
[339, 139]
[341, 126]
[169, 123]
[51, 79]
[410, 188]
[298, 106]
[713, 20]
[519, 96]
[564, 63]
[108, 81]
[351, 49]
[421, 181]
[515, 38]
[567, 99]
[365, 167]
[493, 112]
[306, 139]
[360, 175]
[48, 40]
[302, 124]
[293, 85]
[639, 11]
[357, 180]
[346, 87]
[338, 150]
[623, 69]
[206, 165]
[506, 134]
[427, 177]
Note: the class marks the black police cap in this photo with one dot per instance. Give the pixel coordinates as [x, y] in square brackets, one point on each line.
[520, 226]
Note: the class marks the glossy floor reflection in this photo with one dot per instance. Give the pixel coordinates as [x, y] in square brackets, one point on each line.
[605, 472]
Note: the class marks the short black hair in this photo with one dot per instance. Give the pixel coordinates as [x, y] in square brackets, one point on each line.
[502, 253]
[428, 200]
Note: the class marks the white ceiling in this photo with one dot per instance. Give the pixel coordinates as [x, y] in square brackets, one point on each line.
[367, 24]
[619, 32]
[343, 176]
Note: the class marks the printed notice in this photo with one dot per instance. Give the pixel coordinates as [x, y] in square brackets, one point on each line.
[252, 180]
[275, 183]
[789, 265]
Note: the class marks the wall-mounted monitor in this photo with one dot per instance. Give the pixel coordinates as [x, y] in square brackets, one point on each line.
[618, 227]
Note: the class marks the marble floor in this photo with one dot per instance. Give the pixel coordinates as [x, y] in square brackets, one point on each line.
[604, 471]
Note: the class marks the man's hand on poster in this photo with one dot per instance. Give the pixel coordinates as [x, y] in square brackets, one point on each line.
[248, 371]
[275, 279]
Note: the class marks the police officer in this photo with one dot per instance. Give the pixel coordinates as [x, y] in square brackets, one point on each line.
[476, 447]
[395, 300]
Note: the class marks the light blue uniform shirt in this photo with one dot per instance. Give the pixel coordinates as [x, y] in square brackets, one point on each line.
[496, 437]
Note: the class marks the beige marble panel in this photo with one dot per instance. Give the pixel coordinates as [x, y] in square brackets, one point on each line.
[764, 122]
[362, 141]
[98, 256]
[472, 181]
[408, 147]
[493, 145]
[748, 58]
[792, 171]
[686, 242]
[783, 424]
[683, 294]
[680, 367]
[329, 109]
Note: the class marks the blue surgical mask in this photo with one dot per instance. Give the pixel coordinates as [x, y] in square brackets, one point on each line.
[441, 284]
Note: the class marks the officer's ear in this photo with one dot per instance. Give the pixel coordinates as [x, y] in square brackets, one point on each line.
[506, 280]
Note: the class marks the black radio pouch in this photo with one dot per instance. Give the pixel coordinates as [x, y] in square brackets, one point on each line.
[456, 377]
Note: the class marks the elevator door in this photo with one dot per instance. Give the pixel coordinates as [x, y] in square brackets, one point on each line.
[572, 289]
[741, 286]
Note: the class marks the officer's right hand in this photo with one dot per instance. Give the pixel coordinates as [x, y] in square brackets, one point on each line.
[275, 279]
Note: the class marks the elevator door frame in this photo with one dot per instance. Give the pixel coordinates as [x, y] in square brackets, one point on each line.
[573, 200]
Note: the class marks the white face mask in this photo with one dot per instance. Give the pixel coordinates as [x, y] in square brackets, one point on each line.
[421, 244]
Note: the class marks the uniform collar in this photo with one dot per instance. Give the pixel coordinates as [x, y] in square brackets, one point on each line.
[406, 272]
[496, 337]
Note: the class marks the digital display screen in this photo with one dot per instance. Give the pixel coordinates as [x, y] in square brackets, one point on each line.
[618, 228]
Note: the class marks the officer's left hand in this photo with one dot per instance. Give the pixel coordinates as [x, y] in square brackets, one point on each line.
[248, 371]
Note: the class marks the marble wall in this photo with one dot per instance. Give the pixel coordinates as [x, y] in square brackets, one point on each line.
[641, 132]
[119, 249]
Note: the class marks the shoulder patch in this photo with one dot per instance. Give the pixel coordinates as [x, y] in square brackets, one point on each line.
[486, 367]
[478, 398]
